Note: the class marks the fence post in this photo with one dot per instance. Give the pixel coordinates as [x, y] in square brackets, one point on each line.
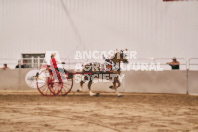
[38, 61]
[20, 61]
[32, 62]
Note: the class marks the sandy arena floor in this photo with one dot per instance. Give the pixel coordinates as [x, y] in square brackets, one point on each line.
[29, 111]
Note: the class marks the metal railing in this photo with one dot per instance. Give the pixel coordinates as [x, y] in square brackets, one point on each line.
[195, 64]
[70, 63]
[183, 62]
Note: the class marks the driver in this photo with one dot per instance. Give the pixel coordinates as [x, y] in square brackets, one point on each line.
[54, 66]
[54, 63]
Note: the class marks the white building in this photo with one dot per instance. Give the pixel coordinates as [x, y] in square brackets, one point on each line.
[151, 27]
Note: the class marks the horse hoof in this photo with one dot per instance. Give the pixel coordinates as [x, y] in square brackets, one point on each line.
[78, 90]
[111, 87]
[97, 94]
[120, 95]
[94, 94]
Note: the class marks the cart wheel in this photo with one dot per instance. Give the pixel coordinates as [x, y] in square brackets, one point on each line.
[67, 83]
[46, 84]
[54, 85]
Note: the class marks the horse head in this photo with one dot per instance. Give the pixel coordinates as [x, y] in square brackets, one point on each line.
[120, 56]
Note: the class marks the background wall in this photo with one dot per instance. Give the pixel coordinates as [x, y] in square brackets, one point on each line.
[174, 82]
[151, 27]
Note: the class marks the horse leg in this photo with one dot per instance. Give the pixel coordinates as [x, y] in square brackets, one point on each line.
[116, 87]
[112, 86]
[81, 86]
[118, 83]
[89, 87]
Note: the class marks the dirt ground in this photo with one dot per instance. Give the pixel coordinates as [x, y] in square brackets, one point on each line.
[30, 111]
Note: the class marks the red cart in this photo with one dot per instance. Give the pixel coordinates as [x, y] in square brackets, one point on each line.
[48, 83]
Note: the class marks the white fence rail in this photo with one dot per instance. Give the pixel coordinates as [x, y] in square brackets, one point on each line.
[70, 63]
[179, 81]
[193, 64]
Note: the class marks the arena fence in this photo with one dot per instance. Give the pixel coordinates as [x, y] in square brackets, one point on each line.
[167, 81]
[193, 76]
[134, 81]
[71, 63]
